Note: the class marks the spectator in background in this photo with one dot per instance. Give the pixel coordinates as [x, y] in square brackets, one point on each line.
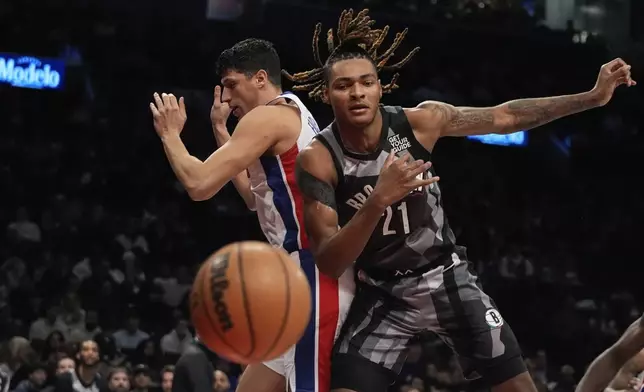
[127, 339]
[24, 229]
[141, 380]
[148, 353]
[86, 377]
[222, 384]
[167, 375]
[42, 328]
[65, 365]
[35, 381]
[88, 331]
[118, 380]
[73, 315]
[54, 344]
[175, 341]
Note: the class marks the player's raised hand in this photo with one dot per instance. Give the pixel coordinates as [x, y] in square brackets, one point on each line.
[611, 76]
[398, 177]
[169, 115]
[220, 111]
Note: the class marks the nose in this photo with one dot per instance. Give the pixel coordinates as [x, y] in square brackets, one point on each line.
[225, 95]
[357, 91]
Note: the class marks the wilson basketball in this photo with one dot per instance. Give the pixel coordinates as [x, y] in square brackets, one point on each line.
[250, 302]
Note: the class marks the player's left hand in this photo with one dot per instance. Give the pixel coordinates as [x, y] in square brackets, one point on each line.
[168, 114]
[612, 75]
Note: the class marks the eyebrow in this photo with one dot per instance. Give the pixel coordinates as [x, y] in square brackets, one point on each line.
[361, 77]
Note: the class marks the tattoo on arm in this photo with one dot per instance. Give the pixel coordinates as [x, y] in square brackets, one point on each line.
[521, 114]
[315, 188]
[531, 113]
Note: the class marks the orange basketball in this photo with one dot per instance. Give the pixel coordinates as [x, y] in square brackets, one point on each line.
[250, 302]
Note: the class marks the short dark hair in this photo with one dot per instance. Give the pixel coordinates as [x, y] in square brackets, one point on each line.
[356, 40]
[250, 56]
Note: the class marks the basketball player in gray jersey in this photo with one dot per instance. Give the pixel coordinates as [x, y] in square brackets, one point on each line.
[371, 197]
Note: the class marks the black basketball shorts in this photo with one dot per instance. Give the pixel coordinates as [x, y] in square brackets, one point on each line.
[386, 314]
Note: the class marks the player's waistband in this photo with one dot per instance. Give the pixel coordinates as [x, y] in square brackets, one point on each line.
[444, 260]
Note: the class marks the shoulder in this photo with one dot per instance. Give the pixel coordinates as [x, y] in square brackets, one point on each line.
[191, 354]
[433, 111]
[282, 116]
[316, 159]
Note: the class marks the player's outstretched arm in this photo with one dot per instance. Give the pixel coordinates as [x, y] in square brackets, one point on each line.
[255, 134]
[334, 249]
[607, 364]
[523, 114]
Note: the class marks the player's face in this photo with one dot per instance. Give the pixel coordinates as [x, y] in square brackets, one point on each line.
[354, 91]
[240, 92]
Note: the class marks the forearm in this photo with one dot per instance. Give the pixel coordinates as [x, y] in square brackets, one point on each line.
[188, 169]
[523, 114]
[241, 180]
[339, 251]
[601, 372]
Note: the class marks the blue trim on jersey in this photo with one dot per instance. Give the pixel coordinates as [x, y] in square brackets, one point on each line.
[305, 358]
[282, 201]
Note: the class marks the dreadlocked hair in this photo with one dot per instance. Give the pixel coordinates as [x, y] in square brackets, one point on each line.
[354, 38]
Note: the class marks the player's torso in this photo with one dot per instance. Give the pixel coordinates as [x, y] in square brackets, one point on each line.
[278, 201]
[414, 231]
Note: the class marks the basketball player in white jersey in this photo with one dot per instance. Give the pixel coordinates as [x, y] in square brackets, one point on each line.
[259, 158]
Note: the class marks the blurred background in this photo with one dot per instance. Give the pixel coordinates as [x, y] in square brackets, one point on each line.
[102, 242]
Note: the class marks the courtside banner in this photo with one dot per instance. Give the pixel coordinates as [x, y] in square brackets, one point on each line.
[31, 72]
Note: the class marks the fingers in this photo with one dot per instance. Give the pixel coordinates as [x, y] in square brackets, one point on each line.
[154, 110]
[615, 64]
[217, 96]
[158, 101]
[182, 105]
[424, 182]
[417, 167]
[390, 159]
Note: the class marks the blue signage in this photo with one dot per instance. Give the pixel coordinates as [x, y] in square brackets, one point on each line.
[513, 139]
[31, 72]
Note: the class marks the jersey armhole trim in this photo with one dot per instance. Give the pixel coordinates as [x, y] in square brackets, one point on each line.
[336, 161]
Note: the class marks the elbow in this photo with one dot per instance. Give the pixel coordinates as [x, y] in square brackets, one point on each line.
[197, 192]
[504, 122]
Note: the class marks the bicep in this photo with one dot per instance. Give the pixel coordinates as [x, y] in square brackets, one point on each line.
[315, 174]
[461, 121]
[321, 222]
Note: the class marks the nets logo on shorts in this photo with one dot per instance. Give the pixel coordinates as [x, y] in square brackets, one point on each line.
[493, 318]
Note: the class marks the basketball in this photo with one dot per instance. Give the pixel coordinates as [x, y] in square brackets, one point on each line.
[250, 302]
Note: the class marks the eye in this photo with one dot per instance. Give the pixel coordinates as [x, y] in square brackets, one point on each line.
[369, 83]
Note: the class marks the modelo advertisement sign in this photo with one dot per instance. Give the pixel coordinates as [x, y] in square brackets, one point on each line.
[31, 72]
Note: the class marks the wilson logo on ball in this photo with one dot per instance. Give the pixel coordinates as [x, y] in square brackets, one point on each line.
[219, 285]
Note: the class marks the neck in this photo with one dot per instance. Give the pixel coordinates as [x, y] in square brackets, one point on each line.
[362, 139]
[269, 95]
[87, 373]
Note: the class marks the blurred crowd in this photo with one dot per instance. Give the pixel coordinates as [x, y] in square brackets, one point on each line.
[101, 242]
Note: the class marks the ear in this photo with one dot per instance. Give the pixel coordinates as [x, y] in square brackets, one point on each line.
[380, 88]
[325, 95]
[261, 78]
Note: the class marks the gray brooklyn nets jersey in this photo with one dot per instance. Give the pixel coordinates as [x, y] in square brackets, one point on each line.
[413, 232]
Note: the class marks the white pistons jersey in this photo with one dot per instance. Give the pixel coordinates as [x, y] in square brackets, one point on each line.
[280, 209]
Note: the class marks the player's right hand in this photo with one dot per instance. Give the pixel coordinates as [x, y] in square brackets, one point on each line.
[220, 111]
[398, 177]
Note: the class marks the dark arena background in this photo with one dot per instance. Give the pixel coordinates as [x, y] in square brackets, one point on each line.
[101, 238]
